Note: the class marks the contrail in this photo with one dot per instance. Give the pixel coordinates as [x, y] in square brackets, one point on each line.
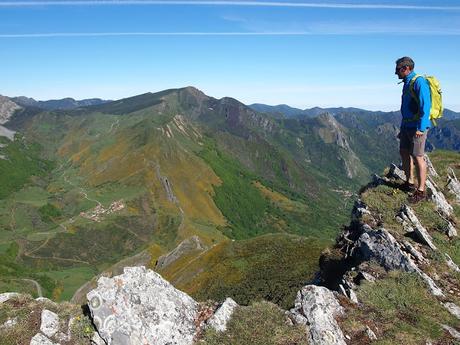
[102, 34]
[226, 3]
[272, 33]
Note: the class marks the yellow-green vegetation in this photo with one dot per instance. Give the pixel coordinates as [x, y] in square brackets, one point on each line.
[399, 309]
[261, 323]
[270, 267]
[385, 202]
[27, 313]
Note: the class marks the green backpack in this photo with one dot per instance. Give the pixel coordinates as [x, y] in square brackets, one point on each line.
[436, 109]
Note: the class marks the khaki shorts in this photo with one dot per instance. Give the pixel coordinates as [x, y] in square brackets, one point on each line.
[408, 141]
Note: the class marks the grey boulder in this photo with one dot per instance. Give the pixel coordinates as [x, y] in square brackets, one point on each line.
[140, 307]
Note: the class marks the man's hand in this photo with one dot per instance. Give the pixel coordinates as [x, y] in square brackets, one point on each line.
[418, 134]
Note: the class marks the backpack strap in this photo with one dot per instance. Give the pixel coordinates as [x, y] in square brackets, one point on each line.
[412, 88]
[414, 96]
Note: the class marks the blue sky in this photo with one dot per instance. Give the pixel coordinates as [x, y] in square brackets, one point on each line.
[301, 53]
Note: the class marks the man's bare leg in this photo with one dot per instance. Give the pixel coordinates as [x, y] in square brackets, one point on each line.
[421, 172]
[406, 160]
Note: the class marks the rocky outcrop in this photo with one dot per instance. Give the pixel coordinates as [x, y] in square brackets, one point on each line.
[49, 323]
[222, 315]
[431, 170]
[380, 246]
[412, 224]
[453, 185]
[316, 307]
[139, 307]
[439, 199]
[7, 296]
[7, 109]
[40, 339]
[5, 132]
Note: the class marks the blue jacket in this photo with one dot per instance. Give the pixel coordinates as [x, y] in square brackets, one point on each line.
[410, 108]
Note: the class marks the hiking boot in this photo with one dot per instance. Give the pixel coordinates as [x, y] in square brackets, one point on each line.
[408, 187]
[419, 195]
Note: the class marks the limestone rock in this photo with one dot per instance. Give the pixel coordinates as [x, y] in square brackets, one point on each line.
[316, 306]
[40, 339]
[414, 252]
[45, 300]
[451, 264]
[451, 231]
[396, 172]
[359, 209]
[430, 168]
[7, 296]
[370, 333]
[439, 199]
[223, 314]
[139, 306]
[453, 185]
[365, 276]
[422, 234]
[7, 109]
[452, 331]
[5, 132]
[434, 289]
[353, 296]
[381, 246]
[452, 308]
[50, 323]
[97, 340]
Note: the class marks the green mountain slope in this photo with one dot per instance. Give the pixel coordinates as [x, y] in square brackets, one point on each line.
[144, 174]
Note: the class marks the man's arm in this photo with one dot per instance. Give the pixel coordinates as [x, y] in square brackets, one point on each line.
[422, 89]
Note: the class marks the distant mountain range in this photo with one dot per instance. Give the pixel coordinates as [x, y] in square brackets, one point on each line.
[65, 103]
[283, 110]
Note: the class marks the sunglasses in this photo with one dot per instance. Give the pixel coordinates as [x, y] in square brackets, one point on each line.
[399, 69]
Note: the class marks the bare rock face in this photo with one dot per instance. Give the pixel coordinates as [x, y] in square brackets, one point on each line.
[5, 132]
[7, 296]
[439, 199]
[451, 264]
[40, 339]
[453, 185]
[452, 331]
[379, 245]
[50, 323]
[7, 109]
[223, 314]
[396, 172]
[140, 307]
[431, 170]
[315, 307]
[422, 234]
[452, 308]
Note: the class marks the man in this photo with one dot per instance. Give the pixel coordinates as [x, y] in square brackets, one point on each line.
[415, 110]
